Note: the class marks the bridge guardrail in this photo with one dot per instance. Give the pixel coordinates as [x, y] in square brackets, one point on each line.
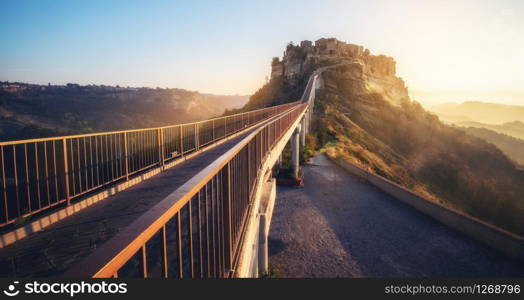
[38, 174]
[197, 232]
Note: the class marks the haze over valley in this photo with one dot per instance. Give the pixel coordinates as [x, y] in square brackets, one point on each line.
[31, 111]
[499, 124]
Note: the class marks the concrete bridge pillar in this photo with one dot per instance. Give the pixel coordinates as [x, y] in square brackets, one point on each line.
[295, 151]
[308, 127]
[263, 265]
[303, 132]
[305, 122]
[309, 117]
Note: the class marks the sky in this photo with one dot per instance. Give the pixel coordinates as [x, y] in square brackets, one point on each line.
[445, 50]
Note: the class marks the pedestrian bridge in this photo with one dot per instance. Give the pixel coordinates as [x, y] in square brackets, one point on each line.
[196, 201]
[191, 200]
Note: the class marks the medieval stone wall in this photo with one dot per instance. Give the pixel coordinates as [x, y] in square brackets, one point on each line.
[296, 56]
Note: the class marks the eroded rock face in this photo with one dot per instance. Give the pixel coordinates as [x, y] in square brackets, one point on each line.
[368, 73]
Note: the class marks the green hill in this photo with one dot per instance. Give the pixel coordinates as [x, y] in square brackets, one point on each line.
[512, 147]
[30, 111]
[514, 129]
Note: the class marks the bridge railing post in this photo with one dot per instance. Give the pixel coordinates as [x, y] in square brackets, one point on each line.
[228, 244]
[160, 143]
[197, 142]
[181, 140]
[164, 253]
[213, 130]
[225, 126]
[126, 155]
[66, 172]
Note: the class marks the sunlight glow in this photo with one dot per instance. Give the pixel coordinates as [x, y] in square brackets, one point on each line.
[459, 49]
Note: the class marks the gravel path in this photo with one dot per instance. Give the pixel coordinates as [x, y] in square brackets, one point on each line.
[340, 226]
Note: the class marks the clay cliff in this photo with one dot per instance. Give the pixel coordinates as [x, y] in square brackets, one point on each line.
[363, 114]
[368, 73]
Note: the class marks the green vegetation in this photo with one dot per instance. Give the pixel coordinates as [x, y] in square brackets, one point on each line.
[286, 169]
[309, 150]
[512, 147]
[275, 92]
[273, 272]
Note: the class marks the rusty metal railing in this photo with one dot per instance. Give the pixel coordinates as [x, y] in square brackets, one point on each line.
[196, 231]
[38, 174]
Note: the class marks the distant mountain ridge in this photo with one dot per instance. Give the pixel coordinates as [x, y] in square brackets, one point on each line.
[513, 147]
[483, 112]
[498, 124]
[514, 129]
[29, 110]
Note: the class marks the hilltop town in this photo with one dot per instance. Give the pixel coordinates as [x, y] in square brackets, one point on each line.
[298, 58]
[369, 73]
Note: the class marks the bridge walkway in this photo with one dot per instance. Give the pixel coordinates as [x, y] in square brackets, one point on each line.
[52, 251]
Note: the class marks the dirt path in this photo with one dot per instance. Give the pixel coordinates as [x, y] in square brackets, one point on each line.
[339, 226]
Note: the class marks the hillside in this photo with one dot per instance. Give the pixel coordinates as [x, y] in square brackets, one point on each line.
[506, 130]
[514, 129]
[363, 114]
[512, 147]
[29, 111]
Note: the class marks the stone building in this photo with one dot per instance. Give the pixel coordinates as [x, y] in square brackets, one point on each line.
[307, 46]
[296, 58]
[327, 46]
[277, 68]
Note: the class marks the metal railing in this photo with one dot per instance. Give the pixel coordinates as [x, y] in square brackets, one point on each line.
[194, 232]
[38, 174]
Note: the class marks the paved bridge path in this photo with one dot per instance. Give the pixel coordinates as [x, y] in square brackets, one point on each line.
[53, 251]
[340, 226]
